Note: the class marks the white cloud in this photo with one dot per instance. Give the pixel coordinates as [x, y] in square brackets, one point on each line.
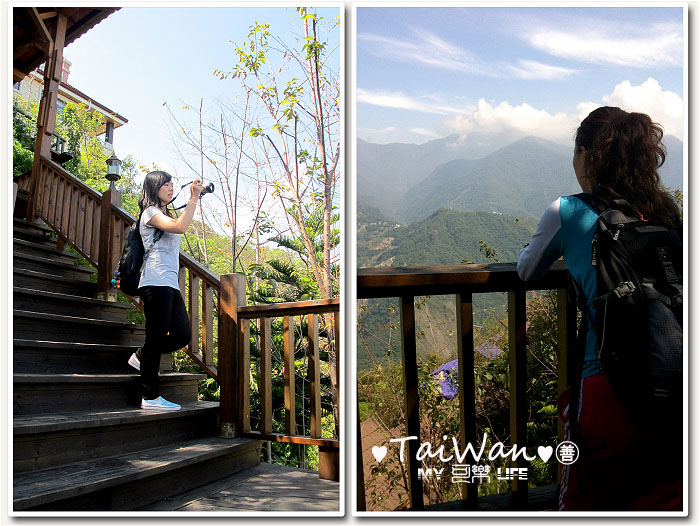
[431, 50]
[532, 70]
[388, 129]
[424, 131]
[657, 45]
[664, 107]
[427, 49]
[521, 119]
[398, 100]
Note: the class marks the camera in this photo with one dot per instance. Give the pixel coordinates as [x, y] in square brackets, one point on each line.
[208, 189]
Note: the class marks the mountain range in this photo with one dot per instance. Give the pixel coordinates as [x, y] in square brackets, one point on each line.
[409, 182]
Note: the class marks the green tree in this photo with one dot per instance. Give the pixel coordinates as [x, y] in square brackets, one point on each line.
[80, 127]
[297, 130]
[23, 135]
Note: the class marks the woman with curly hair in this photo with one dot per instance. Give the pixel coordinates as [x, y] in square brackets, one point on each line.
[616, 156]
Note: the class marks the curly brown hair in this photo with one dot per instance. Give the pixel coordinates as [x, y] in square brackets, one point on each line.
[623, 152]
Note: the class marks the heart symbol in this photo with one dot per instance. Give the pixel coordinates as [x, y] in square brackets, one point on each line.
[380, 452]
[545, 452]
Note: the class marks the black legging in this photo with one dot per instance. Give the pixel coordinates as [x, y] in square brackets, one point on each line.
[167, 330]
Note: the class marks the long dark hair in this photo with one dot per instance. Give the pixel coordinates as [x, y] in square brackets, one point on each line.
[151, 185]
[623, 154]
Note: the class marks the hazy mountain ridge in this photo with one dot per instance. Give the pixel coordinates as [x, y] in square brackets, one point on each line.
[409, 182]
[386, 171]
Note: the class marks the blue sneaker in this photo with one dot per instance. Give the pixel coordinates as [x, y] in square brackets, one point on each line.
[159, 403]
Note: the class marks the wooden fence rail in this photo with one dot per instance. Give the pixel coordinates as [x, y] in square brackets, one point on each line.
[463, 281]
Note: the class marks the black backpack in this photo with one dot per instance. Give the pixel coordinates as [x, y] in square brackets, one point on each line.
[639, 307]
[129, 269]
[128, 272]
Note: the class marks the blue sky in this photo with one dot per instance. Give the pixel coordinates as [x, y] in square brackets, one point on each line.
[140, 57]
[424, 73]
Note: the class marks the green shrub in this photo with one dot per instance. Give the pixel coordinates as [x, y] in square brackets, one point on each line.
[22, 159]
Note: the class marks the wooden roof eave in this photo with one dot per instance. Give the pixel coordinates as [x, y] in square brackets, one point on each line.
[33, 29]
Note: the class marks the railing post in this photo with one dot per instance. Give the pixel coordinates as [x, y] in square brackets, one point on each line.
[46, 119]
[411, 399]
[336, 348]
[105, 256]
[243, 409]
[360, 464]
[313, 374]
[518, 388]
[566, 342]
[193, 303]
[466, 383]
[207, 328]
[265, 382]
[290, 424]
[232, 296]
[566, 345]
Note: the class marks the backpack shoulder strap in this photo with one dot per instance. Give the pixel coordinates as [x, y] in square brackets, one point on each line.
[598, 202]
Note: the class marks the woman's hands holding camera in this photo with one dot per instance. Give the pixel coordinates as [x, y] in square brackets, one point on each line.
[196, 190]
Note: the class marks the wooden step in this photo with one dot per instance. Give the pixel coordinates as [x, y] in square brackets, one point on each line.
[26, 261]
[29, 325]
[32, 279]
[47, 357]
[43, 250]
[35, 237]
[23, 224]
[48, 440]
[133, 480]
[33, 232]
[33, 300]
[56, 393]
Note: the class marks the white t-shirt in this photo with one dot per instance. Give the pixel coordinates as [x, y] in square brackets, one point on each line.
[162, 257]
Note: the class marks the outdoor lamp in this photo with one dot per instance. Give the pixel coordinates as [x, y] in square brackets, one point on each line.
[114, 168]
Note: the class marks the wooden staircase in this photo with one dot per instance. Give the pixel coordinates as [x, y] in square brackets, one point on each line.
[81, 441]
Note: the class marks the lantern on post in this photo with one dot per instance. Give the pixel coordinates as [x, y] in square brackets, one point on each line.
[114, 170]
[106, 287]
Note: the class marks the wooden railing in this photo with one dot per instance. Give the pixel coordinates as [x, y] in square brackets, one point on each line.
[463, 281]
[97, 227]
[234, 308]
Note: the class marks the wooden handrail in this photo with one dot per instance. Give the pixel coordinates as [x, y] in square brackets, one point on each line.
[394, 282]
[463, 281]
[292, 308]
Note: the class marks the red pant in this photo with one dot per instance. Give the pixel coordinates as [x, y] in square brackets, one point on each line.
[618, 467]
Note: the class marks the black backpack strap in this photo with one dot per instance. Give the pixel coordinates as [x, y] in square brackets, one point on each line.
[590, 199]
[600, 201]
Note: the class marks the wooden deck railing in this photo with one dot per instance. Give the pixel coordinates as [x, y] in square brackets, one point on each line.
[233, 307]
[97, 227]
[463, 281]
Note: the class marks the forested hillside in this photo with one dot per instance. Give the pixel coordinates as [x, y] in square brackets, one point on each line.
[448, 237]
